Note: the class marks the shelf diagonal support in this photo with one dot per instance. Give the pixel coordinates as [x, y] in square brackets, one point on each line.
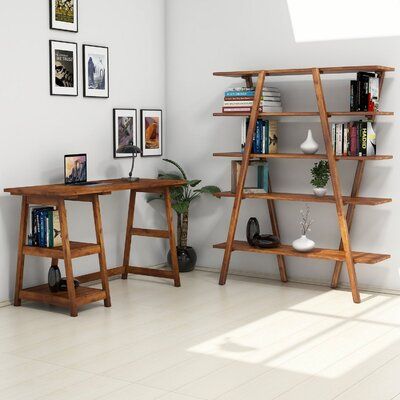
[275, 231]
[335, 179]
[349, 219]
[242, 177]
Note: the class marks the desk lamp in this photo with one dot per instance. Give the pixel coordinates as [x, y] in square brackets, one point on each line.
[130, 148]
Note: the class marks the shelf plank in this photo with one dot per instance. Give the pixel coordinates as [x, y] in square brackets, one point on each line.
[307, 71]
[84, 295]
[323, 254]
[78, 249]
[305, 156]
[307, 114]
[366, 201]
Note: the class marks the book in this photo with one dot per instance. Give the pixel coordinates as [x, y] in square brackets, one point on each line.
[267, 96]
[262, 176]
[266, 136]
[272, 136]
[56, 231]
[238, 109]
[339, 139]
[333, 137]
[249, 103]
[345, 139]
[353, 95]
[371, 140]
[353, 139]
[362, 150]
[373, 94]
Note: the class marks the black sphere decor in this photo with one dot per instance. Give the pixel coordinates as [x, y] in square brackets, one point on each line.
[54, 278]
[187, 258]
[63, 284]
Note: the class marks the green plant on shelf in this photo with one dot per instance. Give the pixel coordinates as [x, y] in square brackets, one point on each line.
[320, 174]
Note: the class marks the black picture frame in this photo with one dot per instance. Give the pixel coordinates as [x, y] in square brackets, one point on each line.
[145, 152]
[115, 132]
[52, 22]
[85, 81]
[52, 66]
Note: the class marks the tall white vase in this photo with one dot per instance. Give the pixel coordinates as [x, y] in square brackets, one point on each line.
[309, 146]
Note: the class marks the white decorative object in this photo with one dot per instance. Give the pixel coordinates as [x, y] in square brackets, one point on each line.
[319, 192]
[309, 146]
[303, 244]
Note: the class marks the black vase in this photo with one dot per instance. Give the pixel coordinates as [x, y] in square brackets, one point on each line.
[54, 278]
[187, 258]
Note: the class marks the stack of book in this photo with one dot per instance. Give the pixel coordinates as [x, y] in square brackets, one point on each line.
[364, 92]
[356, 138]
[45, 228]
[265, 138]
[240, 99]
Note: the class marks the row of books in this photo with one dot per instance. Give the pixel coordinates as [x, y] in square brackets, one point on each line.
[240, 99]
[265, 138]
[364, 92]
[356, 138]
[45, 227]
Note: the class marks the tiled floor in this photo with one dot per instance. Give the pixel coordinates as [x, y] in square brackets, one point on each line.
[251, 339]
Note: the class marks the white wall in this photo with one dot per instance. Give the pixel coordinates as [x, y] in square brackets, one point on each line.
[38, 129]
[208, 35]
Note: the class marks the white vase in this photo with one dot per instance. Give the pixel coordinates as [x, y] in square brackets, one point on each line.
[309, 146]
[319, 192]
[303, 244]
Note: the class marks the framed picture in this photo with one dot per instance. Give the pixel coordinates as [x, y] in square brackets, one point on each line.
[63, 68]
[151, 132]
[64, 15]
[95, 71]
[125, 133]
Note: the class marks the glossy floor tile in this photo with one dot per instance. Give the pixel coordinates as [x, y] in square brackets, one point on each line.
[250, 339]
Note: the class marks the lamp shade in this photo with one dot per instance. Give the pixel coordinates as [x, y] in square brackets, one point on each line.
[129, 148]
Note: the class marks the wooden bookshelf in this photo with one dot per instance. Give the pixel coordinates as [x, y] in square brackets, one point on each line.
[344, 254]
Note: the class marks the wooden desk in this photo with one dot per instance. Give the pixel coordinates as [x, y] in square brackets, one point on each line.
[56, 195]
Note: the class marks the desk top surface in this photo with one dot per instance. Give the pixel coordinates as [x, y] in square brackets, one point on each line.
[100, 187]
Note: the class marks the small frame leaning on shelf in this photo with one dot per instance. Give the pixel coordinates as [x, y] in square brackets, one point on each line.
[344, 253]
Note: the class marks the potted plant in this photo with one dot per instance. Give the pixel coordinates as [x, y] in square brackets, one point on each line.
[320, 177]
[303, 243]
[181, 199]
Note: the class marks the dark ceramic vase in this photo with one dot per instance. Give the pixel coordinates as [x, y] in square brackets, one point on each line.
[187, 258]
[54, 278]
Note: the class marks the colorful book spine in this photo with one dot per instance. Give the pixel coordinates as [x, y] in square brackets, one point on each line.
[247, 93]
[346, 139]
[371, 140]
[353, 139]
[339, 139]
[362, 151]
[333, 137]
[262, 176]
[273, 136]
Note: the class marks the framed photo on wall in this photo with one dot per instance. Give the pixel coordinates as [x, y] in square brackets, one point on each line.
[151, 132]
[125, 132]
[64, 15]
[95, 71]
[63, 68]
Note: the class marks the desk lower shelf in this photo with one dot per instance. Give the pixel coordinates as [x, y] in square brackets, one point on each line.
[323, 254]
[78, 249]
[84, 295]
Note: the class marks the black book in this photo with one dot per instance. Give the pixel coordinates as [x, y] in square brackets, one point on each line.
[363, 78]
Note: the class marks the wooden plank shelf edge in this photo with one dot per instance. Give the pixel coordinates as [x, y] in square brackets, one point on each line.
[307, 114]
[307, 71]
[317, 253]
[366, 201]
[304, 156]
[78, 249]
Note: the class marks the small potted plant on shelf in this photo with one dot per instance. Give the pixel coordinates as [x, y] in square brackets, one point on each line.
[303, 243]
[181, 199]
[320, 177]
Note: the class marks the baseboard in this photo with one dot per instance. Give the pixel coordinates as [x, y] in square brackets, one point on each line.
[5, 303]
[344, 286]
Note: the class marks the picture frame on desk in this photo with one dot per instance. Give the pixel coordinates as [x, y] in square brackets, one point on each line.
[151, 132]
[63, 68]
[125, 130]
[64, 15]
[96, 71]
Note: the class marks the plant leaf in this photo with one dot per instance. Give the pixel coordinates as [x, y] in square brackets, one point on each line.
[169, 176]
[208, 189]
[177, 166]
[181, 207]
[194, 182]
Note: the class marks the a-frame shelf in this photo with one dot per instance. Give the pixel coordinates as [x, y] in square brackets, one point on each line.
[309, 198]
[344, 253]
[322, 254]
[303, 156]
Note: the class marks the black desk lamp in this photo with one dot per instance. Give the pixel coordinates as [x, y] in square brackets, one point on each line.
[130, 148]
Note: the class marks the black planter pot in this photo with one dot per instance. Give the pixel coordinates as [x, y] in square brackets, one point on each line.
[187, 258]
